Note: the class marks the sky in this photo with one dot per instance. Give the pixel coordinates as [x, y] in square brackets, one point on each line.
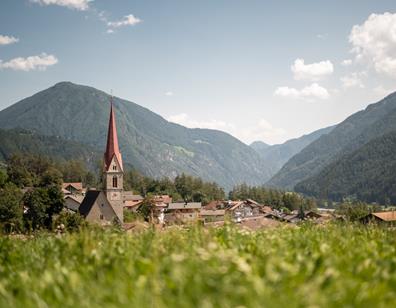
[259, 70]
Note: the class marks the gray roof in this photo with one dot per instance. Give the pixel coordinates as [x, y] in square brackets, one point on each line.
[182, 205]
[128, 195]
[88, 202]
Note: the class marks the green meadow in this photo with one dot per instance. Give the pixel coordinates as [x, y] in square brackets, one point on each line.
[305, 266]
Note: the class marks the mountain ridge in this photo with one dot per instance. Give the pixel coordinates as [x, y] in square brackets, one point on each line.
[356, 130]
[148, 142]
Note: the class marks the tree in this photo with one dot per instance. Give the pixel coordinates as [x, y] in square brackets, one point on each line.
[147, 208]
[42, 204]
[11, 209]
[3, 178]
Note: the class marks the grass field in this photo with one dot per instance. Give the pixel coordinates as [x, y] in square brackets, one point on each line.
[332, 266]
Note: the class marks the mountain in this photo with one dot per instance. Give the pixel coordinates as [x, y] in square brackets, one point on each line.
[24, 141]
[277, 155]
[259, 146]
[368, 174]
[148, 142]
[354, 132]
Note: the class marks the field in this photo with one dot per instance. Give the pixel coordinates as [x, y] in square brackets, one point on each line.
[308, 266]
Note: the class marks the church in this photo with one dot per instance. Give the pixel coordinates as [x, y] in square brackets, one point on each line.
[106, 206]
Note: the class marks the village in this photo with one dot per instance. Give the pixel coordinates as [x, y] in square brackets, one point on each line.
[110, 204]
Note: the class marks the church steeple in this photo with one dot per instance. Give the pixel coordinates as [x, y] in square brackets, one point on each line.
[112, 148]
[113, 174]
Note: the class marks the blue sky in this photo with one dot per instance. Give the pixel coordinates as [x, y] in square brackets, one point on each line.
[260, 70]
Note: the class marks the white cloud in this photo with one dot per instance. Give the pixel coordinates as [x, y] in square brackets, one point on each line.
[40, 62]
[314, 91]
[6, 40]
[128, 20]
[185, 120]
[169, 93]
[346, 62]
[321, 36]
[262, 130]
[80, 5]
[381, 91]
[353, 80]
[375, 41]
[313, 71]
[110, 31]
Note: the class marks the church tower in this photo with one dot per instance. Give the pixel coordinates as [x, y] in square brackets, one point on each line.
[113, 172]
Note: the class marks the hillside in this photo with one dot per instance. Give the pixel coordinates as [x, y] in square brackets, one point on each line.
[277, 155]
[148, 142]
[367, 174]
[348, 136]
[23, 141]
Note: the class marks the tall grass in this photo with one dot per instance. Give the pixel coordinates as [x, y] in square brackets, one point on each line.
[330, 266]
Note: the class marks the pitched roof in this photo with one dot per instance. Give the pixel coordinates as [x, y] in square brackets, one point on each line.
[386, 216]
[76, 185]
[112, 148]
[182, 205]
[88, 202]
[77, 198]
[129, 196]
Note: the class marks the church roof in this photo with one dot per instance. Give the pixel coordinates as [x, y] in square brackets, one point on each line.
[112, 148]
[88, 202]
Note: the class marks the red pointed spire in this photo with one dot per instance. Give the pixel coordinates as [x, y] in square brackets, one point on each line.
[112, 141]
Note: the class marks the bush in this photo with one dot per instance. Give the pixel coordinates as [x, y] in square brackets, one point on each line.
[68, 221]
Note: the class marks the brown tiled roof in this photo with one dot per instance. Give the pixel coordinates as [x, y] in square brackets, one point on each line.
[385, 216]
[132, 203]
[76, 185]
[212, 205]
[163, 199]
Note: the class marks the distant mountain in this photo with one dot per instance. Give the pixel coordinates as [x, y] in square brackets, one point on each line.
[26, 142]
[347, 137]
[148, 142]
[275, 156]
[259, 146]
[367, 173]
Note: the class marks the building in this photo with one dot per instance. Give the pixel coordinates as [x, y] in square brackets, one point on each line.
[107, 205]
[73, 188]
[244, 209]
[132, 201]
[73, 202]
[181, 212]
[96, 208]
[380, 217]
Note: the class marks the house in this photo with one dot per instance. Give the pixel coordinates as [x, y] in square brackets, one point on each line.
[96, 208]
[131, 201]
[212, 215]
[162, 199]
[107, 205]
[73, 202]
[72, 188]
[380, 217]
[243, 209]
[182, 212]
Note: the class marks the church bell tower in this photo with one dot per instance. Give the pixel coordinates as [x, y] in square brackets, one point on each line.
[113, 173]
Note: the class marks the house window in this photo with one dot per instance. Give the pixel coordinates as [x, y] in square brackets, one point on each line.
[101, 216]
[115, 181]
[114, 167]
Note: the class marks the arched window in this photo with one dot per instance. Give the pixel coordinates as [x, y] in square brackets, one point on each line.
[114, 167]
[115, 181]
